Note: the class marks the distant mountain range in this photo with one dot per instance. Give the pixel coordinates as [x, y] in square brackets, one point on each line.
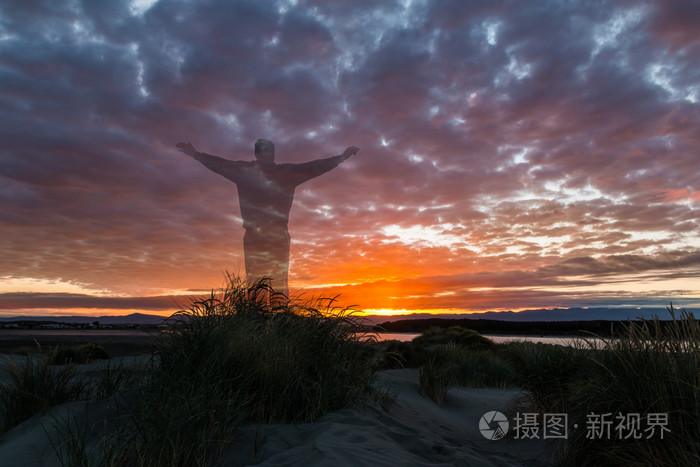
[556, 314]
[134, 318]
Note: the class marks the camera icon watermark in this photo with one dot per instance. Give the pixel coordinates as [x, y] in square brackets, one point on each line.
[493, 425]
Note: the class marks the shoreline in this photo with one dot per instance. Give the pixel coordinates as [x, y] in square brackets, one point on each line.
[119, 342]
[115, 342]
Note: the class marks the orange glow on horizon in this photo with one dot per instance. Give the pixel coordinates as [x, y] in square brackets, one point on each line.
[396, 312]
[82, 312]
[94, 313]
[436, 311]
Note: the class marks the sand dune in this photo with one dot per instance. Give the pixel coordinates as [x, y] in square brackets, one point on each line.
[415, 431]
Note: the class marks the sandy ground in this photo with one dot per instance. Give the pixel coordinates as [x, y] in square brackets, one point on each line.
[414, 431]
[115, 342]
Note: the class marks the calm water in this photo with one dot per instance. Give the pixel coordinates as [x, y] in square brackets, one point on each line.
[558, 340]
[397, 336]
[498, 338]
[384, 336]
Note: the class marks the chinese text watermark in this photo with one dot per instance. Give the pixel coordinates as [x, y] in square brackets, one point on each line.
[531, 425]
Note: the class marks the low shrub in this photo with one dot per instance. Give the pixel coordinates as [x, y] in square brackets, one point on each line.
[457, 335]
[78, 354]
[34, 386]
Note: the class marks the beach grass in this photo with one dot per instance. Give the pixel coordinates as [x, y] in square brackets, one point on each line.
[651, 371]
[446, 357]
[78, 354]
[34, 385]
[245, 354]
[310, 351]
[635, 399]
[548, 372]
[450, 365]
[484, 369]
[437, 375]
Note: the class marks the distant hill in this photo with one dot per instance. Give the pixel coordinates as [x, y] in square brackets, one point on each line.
[528, 328]
[134, 318]
[556, 314]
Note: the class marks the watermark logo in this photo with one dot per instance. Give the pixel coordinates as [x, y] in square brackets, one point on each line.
[493, 425]
[531, 425]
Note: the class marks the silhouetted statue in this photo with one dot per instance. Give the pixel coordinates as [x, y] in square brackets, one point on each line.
[265, 193]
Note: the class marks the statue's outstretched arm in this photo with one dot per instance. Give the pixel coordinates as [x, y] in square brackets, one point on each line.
[214, 163]
[308, 170]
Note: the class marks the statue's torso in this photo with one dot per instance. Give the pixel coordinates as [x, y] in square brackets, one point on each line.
[265, 195]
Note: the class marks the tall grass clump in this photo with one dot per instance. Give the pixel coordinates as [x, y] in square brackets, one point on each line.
[635, 399]
[456, 356]
[246, 354]
[484, 368]
[651, 369]
[34, 386]
[437, 375]
[549, 373]
[120, 377]
[398, 354]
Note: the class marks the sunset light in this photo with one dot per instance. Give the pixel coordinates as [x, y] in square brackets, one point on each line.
[510, 158]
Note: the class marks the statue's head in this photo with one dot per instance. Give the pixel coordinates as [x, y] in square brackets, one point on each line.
[264, 150]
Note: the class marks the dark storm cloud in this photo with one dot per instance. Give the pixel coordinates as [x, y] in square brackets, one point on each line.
[501, 124]
[675, 23]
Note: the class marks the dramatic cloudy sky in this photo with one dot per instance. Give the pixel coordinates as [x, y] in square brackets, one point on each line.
[513, 154]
